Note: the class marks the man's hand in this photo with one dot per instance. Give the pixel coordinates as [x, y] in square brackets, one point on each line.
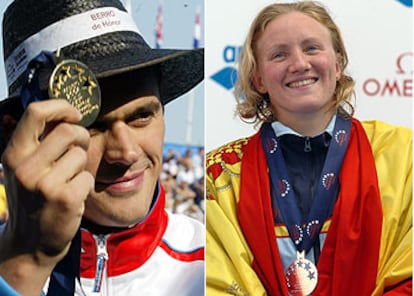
[47, 185]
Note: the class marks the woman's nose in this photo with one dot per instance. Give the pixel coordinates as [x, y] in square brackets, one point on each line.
[299, 62]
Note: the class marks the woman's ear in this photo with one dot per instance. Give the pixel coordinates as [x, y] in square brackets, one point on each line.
[258, 83]
[338, 71]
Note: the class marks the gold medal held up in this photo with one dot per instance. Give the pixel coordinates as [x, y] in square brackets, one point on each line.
[75, 82]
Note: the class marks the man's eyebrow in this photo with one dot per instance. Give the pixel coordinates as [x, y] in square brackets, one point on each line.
[153, 107]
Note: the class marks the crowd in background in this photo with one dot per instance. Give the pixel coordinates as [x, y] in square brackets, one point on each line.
[183, 181]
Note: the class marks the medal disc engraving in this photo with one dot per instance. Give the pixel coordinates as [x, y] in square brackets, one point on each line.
[75, 82]
[301, 277]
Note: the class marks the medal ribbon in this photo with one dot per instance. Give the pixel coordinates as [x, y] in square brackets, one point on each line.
[30, 89]
[304, 232]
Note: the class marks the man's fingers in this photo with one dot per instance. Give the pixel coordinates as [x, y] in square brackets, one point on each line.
[63, 171]
[46, 156]
[70, 202]
[35, 118]
[63, 137]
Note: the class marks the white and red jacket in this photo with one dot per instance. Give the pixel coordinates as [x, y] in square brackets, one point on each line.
[161, 255]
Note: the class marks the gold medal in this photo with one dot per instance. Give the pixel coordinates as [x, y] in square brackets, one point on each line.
[75, 82]
[301, 276]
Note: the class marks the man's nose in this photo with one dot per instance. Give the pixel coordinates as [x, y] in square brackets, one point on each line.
[120, 146]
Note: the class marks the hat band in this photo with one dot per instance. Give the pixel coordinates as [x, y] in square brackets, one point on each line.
[76, 28]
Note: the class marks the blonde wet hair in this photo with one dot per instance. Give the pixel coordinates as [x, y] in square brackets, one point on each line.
[253, 106]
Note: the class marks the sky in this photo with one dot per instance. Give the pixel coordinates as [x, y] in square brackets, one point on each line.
[178, 31]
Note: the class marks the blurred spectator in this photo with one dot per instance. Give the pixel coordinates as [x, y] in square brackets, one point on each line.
[170, 187]
[199, 170]
[171, 162]
[183, 181]
[3, 201]
[198, 188]
[1, 174]
[185, 201]
[198, 158]
[186, 171]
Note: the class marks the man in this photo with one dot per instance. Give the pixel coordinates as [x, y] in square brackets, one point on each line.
[103, 179]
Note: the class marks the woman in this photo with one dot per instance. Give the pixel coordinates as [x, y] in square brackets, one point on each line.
[316, 201]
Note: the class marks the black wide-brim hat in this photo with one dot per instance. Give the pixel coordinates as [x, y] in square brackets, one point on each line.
[114, 51]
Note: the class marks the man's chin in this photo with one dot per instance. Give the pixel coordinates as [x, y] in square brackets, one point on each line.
[116, 218]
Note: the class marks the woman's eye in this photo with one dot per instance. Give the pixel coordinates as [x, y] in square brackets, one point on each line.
[278, 56]
[311, 49]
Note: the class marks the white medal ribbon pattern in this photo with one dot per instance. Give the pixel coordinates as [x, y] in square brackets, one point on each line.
[75, 28]
[301, 276]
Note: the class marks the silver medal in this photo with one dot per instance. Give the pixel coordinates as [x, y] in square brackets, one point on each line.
[301, 276]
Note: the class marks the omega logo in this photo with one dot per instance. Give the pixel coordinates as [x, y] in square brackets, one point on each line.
[393, 86]
[405, 63]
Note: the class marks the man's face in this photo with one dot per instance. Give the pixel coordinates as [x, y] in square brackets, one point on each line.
[125, 153]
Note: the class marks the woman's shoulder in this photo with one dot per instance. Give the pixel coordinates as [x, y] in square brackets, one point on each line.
[379, 131]
[228, 153]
